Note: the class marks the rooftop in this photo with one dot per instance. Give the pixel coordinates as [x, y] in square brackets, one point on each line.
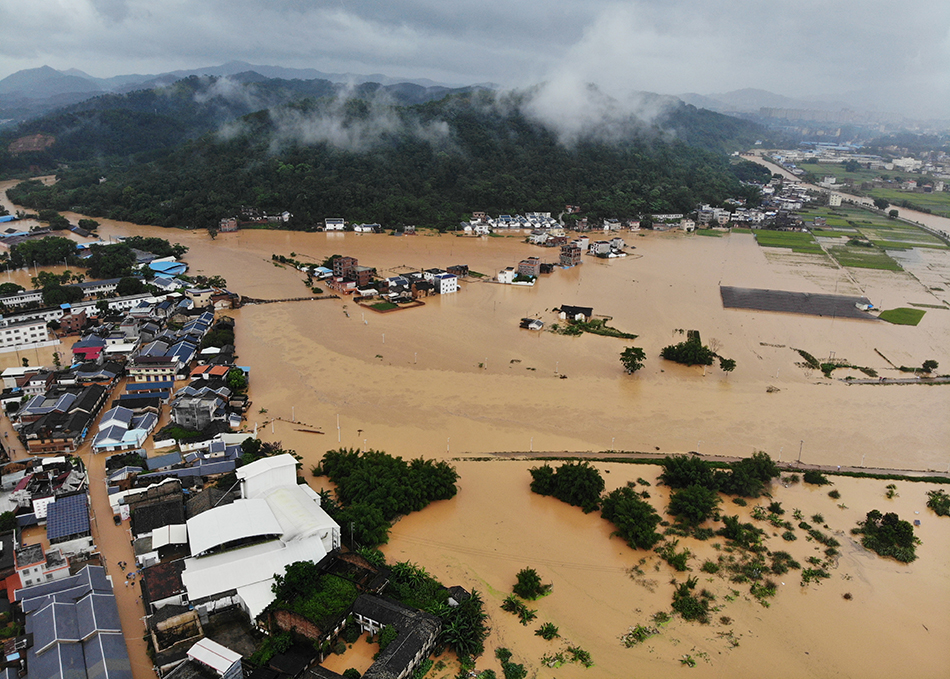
[67, 517]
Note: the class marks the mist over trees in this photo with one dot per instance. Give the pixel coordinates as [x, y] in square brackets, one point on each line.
[427, 164]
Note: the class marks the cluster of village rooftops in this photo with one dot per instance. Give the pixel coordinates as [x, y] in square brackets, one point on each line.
[209, 535]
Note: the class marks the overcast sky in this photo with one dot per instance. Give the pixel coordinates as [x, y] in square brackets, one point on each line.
[892, 54]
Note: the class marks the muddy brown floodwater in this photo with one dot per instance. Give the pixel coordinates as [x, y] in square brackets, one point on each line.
[458, 378]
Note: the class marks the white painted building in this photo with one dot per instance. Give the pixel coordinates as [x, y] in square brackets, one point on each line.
[445, 283]
[273, 508]
[23, 332]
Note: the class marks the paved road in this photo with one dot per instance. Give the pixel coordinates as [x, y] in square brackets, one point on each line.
[900, 380]
[931, 221]
[622, 456]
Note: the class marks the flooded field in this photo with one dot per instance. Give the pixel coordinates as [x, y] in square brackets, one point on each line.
[458, 378]
[496, 526]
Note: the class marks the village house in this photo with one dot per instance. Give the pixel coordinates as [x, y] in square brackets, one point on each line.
[418, 632]
[67, 525]
[197, 409]
[29, 331]
[575, 313]
[507, 275]
[228, 225]
[530, 267]
[343, 266]
[122, 429]
[152, 369]
[570, 254]
[72, 322]
[35, 566]
[538, 237]
[73, 628]
[334, 224]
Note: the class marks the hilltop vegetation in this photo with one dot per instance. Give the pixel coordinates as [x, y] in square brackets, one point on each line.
[192, 156]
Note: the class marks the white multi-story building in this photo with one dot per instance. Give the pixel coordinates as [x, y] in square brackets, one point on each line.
[23, 332]
[446, 283]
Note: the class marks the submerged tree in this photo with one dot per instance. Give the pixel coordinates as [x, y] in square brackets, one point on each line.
[632, 359]
[888, 535]
[694, 504]
[529, 585]
[634, 518]
[576, 483]
[690, 352]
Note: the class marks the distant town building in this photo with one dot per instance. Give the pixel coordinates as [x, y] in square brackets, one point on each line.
[228, 224]
[570, 254]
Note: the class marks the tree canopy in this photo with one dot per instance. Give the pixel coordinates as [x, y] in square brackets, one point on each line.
[632, 359]
[374, 488]
[576, 483]
[888, 535]
[690, 352]
[694, 504]
[320, 598]
[747, 477]
[634, 518]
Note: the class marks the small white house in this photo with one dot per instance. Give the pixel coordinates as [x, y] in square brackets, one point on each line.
[507, 276]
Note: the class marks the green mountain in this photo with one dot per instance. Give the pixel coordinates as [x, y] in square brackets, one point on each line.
[187, 155]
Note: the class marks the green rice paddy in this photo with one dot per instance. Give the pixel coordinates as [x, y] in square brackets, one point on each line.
[903, 316]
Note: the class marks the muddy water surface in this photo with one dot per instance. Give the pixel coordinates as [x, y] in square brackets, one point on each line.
[895, 620]
[458, 374]
[457, 377]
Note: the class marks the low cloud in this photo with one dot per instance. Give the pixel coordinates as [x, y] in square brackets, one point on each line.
[576, 109]
[352, 124]
[231, 91]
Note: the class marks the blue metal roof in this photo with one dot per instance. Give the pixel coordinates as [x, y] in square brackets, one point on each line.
[107, 657]
[67, 516]
[149, 386]
[166, 460]
[156, 394]
[172, 268]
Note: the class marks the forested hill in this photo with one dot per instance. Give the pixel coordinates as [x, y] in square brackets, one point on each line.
[367, 159]
[152, 120]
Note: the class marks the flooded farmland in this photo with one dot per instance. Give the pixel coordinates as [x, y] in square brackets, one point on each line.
[458, 376]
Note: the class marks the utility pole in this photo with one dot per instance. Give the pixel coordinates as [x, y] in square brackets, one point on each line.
[800, 446]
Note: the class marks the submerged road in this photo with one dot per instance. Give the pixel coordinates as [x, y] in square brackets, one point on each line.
[657, 458]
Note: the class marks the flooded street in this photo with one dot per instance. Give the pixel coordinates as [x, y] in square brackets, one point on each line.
[458, 378]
